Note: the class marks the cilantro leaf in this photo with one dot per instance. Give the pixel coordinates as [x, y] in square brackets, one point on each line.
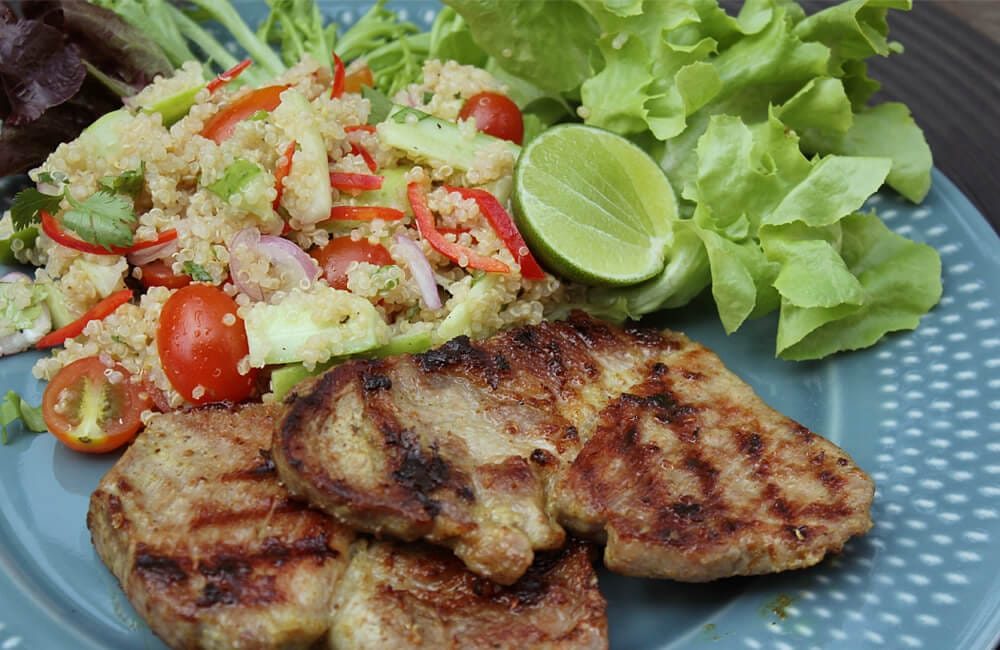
[128, 182]
[197, 273]
[28, 203]
[14, 408]
[103, 218]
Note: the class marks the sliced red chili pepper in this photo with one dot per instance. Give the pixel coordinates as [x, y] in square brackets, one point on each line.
[358, 150]
[338, 77]
[354, 128]
[98, 312]
[505, 228]
[51, 227]
[162, 238]
[428, 230]
[349, 182]
[364, 213]
[282, 170]
[228, 75]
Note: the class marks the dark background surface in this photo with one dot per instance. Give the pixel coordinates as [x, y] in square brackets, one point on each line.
[949, 76]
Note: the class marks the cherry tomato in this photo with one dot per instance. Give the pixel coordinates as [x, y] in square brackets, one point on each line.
[93, 408]
[159, 274]
[496, 115]
[199, 350]
[221, 125]
[360, 76]
[336, 256]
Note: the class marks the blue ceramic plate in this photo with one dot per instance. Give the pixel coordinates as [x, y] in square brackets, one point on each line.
[920, 412]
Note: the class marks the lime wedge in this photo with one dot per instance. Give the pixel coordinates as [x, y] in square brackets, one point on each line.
[592, 206]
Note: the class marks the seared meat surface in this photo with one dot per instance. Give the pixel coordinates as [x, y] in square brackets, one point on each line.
[213, 553]
[416, 595]
[209, 548]
[639, 439]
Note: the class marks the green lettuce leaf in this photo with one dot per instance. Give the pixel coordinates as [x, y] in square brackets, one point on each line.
[900, 279]
[761, 121]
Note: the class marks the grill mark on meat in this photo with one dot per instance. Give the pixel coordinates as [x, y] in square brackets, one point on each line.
[160, 569]
[417, 471]
[372, 382]
[529, 590]
[542, 457]
[420, 471]
[234, 576]
[750, 444]
[216, 515]
[459, 352]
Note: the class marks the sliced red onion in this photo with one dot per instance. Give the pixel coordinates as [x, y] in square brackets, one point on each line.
[421, 270]
[159, 251]
[14, 276]
[284, 256]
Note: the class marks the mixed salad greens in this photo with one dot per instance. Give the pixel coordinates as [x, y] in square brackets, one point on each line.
[759, 118]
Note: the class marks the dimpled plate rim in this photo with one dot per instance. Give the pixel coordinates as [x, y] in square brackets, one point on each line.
[918, 411]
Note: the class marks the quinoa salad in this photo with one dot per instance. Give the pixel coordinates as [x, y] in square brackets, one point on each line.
[224, 229]
[238, 213]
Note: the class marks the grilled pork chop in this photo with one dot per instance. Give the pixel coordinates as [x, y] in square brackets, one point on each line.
[213, 553]
[636, 438]
[417, 595]
[208, 547]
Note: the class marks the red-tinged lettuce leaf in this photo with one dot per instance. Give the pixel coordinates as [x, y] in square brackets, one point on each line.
[37, 70]
[109, 43]
[23, 147]
[63, 64]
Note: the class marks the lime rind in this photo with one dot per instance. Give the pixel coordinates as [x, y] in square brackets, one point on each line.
[593, 206]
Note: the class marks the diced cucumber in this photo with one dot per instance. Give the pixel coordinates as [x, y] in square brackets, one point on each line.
[318, 325]
[427, 138]
[309, 178]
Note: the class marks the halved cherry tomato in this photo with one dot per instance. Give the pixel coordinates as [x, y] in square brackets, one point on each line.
[221, 125]
[98, 312]
[336, 256]
[93, 408]
[159, 274]
[199, 350]
[360, 76]
[496, 115]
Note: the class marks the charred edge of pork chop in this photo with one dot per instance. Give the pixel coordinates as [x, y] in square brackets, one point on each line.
[208, 547]
[690, 476]
[417, 595]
